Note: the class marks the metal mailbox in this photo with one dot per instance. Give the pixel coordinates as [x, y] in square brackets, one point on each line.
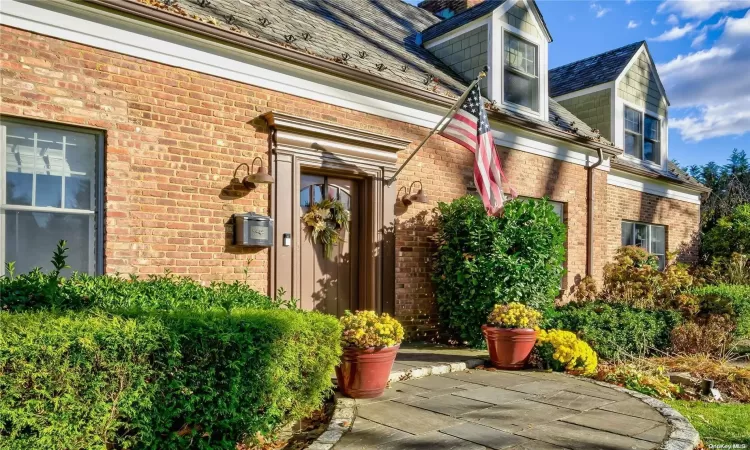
[252, 230]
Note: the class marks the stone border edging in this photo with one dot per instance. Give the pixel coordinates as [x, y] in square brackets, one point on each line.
[682, 435]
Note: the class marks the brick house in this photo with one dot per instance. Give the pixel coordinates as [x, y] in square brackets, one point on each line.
[127, 126]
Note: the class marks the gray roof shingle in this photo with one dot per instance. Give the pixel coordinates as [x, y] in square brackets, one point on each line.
[591, 71]
[460, 19]
[375, 36]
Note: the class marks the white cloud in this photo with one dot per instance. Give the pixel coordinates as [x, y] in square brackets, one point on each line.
[633, 24]
[654, 22]
[675, 33]
[627, 2]
[710, 96]
[700, 39]
[673, 20]
[599, 10]
[701, 9]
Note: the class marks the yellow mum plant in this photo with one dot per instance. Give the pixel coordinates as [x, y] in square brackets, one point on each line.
[366, 329]
[514, 315]
[562, 350]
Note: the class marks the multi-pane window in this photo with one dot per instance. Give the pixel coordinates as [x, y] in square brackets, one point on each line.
[49, 193]
[652, 133]
[652, 238]
[521, 73]
[633, 133]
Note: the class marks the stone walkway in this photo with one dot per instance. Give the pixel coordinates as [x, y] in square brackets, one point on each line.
[477, 409]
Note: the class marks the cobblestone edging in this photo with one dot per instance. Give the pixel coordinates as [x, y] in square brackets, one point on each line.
[682, 435]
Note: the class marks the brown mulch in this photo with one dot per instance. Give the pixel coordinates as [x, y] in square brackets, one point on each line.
[295, 436]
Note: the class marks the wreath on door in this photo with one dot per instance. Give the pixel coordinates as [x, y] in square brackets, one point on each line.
[326, 219]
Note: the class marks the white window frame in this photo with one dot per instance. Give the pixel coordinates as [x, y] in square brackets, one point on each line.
[536, 77]
[618, 123]
[96, 221]
[650, 240]
[659, 141]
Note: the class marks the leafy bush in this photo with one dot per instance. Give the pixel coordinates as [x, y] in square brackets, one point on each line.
[616, 330]
[634, 279]
[711, 335]
[365, 329]
[482, 260]
[562, 351]
[159, 380]
[730, 234]
[733, 300]
[37, 290]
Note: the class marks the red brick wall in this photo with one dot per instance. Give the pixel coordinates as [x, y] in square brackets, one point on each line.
[682, 219]
[174, 138]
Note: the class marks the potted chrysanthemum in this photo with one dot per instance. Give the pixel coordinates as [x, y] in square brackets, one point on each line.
[370, 343]
[511, 334]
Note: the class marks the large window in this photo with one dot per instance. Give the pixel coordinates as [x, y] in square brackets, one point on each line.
[642, 136]
[49, 193]
[521, 73]
[647, 236]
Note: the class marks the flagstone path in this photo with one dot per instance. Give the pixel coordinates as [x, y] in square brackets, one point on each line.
[521, 410]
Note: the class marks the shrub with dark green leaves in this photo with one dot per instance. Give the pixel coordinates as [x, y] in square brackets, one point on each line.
[730, 234]
[616, 330]
[733, 300]
[85, 380]
[38, 290]
[483, 260]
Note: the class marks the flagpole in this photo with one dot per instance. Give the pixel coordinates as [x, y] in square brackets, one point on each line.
[439, 125]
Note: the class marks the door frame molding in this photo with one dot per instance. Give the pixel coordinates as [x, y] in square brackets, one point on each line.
[300, 144]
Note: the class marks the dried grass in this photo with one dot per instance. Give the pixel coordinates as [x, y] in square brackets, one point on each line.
[732, 381]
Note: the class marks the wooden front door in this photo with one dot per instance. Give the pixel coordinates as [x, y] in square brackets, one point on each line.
[330, 285]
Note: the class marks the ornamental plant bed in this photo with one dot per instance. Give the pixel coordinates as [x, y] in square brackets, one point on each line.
[370, 343]
[511, 335]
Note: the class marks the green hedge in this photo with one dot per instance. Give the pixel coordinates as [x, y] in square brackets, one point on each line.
[84, 380]
[615, 330]
[727, 299]
[37, 290]
[483, 260]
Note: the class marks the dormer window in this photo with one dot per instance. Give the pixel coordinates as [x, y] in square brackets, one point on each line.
[642, 136]
[521, 73]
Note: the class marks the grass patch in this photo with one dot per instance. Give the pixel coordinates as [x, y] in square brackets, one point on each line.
[717, 423]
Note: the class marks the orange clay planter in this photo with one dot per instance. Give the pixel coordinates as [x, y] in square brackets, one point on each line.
[364, 372]
[509, 348]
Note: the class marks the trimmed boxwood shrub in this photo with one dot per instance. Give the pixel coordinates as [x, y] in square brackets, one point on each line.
[733, 300]
[483, 260]
[38, 290]
[175, 380]
[617, 330]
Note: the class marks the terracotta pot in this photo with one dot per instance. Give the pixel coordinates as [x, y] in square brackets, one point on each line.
[509, 348]
[364, 372]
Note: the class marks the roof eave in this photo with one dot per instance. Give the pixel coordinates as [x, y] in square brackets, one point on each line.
[330, 67]
[656, 176]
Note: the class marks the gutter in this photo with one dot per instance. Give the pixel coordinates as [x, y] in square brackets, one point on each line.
[590, 213]
[328, 67]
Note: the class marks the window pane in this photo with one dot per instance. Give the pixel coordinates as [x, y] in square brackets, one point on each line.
[79, 168]
[19, 162]
[78, 193]
[651, 151]
[652, 128]
[633, 145]
[520, 55]
[657, 239]
[49, 191]
[31, 237]
[521, 90]
[627, 233]
[632, 120]
[641, 238]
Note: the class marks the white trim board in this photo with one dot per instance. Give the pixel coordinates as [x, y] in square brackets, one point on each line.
[645, 185]
[110, 31]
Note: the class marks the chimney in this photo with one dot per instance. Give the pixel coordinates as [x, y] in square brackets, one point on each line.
[445, 9]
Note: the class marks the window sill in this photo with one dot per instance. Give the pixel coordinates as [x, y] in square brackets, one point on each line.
[643, 162]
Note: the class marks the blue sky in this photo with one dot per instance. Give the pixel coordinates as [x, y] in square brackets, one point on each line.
[702, 52]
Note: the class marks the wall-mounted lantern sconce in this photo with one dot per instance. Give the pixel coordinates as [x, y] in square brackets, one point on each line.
[251, 179]
[410, 198]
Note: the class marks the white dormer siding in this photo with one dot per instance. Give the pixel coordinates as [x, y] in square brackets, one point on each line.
[640, 113]
[517, 34]
[513, 43]
[466, 53]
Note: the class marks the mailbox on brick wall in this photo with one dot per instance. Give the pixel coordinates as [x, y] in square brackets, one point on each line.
[252, 230]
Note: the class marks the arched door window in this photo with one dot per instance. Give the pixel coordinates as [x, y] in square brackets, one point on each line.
[313, 187]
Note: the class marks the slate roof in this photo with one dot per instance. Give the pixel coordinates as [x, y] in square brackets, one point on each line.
[460, 19]
[384, 30]
[591, 71]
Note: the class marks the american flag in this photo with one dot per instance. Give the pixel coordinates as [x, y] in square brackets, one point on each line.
[470, 128]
